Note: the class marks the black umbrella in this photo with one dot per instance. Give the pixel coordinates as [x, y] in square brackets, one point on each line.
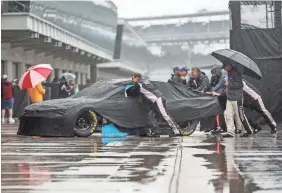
[243, 62]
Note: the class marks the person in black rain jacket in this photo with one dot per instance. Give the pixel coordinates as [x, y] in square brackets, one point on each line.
[253, 101]
[198, 81]
[176, 77]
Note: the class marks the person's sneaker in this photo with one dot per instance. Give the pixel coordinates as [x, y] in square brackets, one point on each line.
[3, 121]
[237, 131]
[11, 121]
[273, 130]
[257, 130]
[208, 130]
[227, 134]
[175, 129]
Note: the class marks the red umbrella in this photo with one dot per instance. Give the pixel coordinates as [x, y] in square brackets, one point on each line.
[35, 75]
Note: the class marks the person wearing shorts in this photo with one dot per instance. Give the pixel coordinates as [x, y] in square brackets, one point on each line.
[7, 99]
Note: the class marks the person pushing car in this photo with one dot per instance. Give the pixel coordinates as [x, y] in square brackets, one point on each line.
[253, 101]
[147, 91]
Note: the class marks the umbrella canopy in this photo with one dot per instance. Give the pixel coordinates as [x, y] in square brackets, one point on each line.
[35, 75]
[67, 76]
[244, 63]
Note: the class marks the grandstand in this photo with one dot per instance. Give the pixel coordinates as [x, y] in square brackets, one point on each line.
[183, 40]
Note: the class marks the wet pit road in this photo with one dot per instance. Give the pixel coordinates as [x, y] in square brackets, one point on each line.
[199, 163]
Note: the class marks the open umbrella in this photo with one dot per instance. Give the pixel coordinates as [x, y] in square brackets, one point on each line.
[35, 75]
[243, 62]
[67, 76]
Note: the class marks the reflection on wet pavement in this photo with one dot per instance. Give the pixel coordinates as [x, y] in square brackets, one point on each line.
[200, 163]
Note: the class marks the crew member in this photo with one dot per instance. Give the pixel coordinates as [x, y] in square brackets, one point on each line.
[198, 81]
[253, 100]
[175, 77]
[220, 91]
[148, 92]
[216, 76]
[183, 75]
[218, 87]
[234, 94]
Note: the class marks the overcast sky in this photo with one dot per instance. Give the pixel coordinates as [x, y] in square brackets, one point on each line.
[140, 8]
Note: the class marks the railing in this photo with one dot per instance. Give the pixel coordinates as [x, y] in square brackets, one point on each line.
[81, 18]
[16, 6]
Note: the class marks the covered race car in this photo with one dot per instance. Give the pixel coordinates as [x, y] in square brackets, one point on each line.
[80, 115]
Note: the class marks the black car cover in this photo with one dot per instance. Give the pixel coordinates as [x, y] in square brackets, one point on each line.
[108, 99]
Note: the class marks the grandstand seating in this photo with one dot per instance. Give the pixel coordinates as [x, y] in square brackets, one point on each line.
[174, 54]
[189, 27]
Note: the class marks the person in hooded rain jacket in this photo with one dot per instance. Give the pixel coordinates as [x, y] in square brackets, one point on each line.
[216, 76]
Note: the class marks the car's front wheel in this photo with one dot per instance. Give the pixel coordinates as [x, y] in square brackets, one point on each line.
[187, 128]
[86, 123]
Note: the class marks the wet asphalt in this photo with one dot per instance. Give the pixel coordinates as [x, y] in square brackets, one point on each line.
[200, 163]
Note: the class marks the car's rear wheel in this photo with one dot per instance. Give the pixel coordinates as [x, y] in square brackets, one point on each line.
[86, 123]
[187, 128]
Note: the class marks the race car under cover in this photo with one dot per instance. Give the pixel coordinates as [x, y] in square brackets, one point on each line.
[80, 115]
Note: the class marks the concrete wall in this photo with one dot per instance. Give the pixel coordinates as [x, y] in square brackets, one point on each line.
[17, 59]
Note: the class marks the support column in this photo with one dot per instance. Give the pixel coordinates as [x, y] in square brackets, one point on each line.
[82, 78]
[21, 69]
[78, 78]
[51, 76]
[4, 63]
[4, 7]
[93, 73]
[9, 65]
[278, 20]
[88, 72]
[60, 72]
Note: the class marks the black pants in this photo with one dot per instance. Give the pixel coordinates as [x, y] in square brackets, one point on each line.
[252, 118]
[243, 118]
[159, 108]
[259, 107]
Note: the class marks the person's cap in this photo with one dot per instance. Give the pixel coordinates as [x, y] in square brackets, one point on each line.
[176, 68]
[184, 69]
[4, 76]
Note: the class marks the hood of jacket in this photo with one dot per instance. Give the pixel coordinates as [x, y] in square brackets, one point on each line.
[217, 70]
